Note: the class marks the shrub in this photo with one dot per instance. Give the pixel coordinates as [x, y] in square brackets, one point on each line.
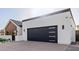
[3, 40]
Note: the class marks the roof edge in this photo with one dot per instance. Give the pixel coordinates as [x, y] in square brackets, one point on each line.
[12, 20]
[57, 12]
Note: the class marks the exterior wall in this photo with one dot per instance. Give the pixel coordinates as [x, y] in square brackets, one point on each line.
[73, 30]
[64, 36]
[10, 28]
[18, 38]
[69, 31]
[19, 31]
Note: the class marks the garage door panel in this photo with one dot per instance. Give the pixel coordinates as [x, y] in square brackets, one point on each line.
[46, 34]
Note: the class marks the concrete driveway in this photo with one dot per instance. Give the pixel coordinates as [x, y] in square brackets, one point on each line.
[36, 46]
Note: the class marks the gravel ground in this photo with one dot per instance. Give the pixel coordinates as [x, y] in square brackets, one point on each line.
[36, 46]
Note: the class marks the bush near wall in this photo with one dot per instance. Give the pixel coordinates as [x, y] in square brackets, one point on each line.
[3, 40]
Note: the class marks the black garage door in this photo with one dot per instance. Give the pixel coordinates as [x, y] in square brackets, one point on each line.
[46, 34]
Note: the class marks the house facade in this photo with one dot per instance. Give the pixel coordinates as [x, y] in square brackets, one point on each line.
[2, 32]
[58, 27]
[13, 27]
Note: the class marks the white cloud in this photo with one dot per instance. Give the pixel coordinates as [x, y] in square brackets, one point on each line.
[75, 12]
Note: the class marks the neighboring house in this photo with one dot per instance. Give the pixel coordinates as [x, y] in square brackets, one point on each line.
[58, 27]
[13, 27]
[2, 32]
[77, 27]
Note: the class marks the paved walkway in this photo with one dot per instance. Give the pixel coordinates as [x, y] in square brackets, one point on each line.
[36, 46]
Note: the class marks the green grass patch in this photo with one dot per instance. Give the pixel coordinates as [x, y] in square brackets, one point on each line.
[3, 40]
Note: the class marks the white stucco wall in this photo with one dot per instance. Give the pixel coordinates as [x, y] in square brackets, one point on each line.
[64, 36]
[19, 31]
[69, 31]
[18, 38]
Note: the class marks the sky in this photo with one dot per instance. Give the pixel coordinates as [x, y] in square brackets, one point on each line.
[24, 13]
[12, 13]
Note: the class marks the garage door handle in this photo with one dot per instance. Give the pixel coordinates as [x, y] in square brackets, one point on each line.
[52, 36]
[52, 32]
[52, 28]
[51, 40]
